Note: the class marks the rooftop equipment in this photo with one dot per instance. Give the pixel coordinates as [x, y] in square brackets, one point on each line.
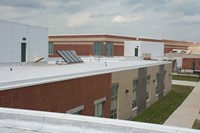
[69, 56]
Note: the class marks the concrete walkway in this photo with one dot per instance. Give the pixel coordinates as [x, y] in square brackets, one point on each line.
[188, 111]
[185, 83]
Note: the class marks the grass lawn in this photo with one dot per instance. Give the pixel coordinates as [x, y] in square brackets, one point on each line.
[162, 109]
[187, 78]
[196, 124]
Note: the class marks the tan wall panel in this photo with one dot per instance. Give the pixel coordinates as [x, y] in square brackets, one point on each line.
[194, 50]
[168, 78]
[125, 80]
[152, 71]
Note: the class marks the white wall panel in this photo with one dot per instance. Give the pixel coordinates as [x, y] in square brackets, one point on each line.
[5, 41]
[19, 31]
[38, 42]
[129, 47]
[11, 37]
[154, 48]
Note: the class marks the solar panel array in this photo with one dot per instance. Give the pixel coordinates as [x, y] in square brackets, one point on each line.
[69, 56]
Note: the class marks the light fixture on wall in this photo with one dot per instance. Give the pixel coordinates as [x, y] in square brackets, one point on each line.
[24, 38]
[126, 91]
[154, 80]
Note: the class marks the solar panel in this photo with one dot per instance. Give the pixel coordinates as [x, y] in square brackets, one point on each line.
[77, 57]
[69, 56]
[63, 56]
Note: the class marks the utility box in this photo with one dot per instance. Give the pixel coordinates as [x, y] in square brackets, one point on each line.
[139, 48]
[22, 43]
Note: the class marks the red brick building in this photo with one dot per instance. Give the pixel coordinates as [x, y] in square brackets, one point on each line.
[104, 44]
[191, 63]
[93, 88]
[100, 45]
[62, 96]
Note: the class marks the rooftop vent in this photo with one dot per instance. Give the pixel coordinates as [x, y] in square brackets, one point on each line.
[146, 56]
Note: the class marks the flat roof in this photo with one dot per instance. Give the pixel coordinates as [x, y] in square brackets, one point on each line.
[28, 75]
[27, 121]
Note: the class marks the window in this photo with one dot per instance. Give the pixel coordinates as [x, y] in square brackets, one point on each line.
[135, 86]
[99, 110]
[77, 113]
[109, 49]
[157, 82]
[114, 101]
[99, 107]
[98, 48]
[148, 86]
[51, 48]
[165, 79]
[134, 104]
[76, 110]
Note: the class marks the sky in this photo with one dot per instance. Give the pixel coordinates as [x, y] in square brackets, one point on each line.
[159, 19]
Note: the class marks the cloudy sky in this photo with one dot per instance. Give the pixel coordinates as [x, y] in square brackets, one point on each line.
[167, 19]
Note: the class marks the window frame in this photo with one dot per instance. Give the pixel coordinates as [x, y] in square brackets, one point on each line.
[50, 48]
[99, 109]
[134, 90]
[76, 110]
[97, 103]
[115, 87]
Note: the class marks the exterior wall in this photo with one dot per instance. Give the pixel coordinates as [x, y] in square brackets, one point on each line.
[118, 50]
[125, 80]
[66, 95]
[161, 85]
[188, 63]
[37, 42]
[152, 71]
[119, 40]
[83, 44]
[86, 49]
[156, 49]
[167, 78]
[141, 90]
[61, 96]
[194, 49]
[165, 75]
[167, 50]
[11, 37]
[129, 48]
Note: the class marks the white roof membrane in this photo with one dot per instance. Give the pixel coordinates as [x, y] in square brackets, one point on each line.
[26, 121]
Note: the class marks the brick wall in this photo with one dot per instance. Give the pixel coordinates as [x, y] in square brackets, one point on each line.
[79, 48]
[188, 63]
[167, 50]
[86, 50]
[61, 96]
[118, 50]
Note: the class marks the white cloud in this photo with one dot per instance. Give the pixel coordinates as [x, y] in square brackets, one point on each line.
[167, 18]
[118, 19]
[136, 18]
[78, 19]
[195, 18]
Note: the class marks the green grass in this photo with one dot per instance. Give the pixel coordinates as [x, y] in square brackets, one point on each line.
[161, 110]
[187, 78]
[196, 124]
